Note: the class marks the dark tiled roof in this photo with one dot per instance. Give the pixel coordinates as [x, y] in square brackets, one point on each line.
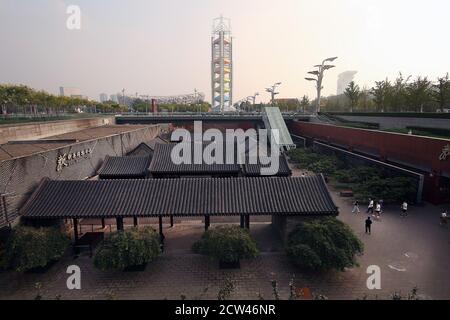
[123, 167]
[254, 170]
[162, 163]
[157, 140]
[141, 150]
[180, 197]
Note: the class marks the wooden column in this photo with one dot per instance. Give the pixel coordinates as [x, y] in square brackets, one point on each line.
[171, 221]
[119, 221]
[207, 222]
[135, 221]
[161, 235]
[242, 221]
[247, 221]
[103, 223]
[75, 230]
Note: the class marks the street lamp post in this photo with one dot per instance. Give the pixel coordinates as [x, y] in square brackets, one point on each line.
[272, 92]
[254, 98]
[321, 68]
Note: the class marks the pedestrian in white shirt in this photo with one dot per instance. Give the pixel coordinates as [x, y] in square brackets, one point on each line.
[370, 207]
[356, 207]
[444, 218]
[404, 208]
[378, 210]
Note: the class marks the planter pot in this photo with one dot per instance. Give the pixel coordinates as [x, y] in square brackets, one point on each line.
[229, 265]
[138, 268]
[43, 269]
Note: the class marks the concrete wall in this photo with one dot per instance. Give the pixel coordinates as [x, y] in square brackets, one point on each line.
[39, 130]
[20, 176]
[401, 123]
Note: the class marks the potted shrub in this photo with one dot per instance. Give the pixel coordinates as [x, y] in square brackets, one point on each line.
[322, 245]
[128, 250]
[228, 244]
[34, 249]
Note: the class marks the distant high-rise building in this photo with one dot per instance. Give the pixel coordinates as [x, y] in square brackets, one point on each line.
[103, 97]
[70, 92]
[343, 80]
[114, 98]
[222, 65]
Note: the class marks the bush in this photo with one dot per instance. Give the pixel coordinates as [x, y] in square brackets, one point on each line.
[129, 248]
[29, 247]
[356, 175]
[389, 189]
[226, 244]
[322, 245]
[325, 166]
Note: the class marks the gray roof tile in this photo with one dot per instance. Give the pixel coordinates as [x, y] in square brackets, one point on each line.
[180, 197]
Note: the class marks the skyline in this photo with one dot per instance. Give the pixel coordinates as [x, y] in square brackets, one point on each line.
[163, 47]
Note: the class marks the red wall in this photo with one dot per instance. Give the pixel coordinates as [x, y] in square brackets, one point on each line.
[420, 152]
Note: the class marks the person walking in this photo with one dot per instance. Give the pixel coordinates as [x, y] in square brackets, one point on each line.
[381, 202]
[378, 210]
[404, 208]
[368, 225]
[444, 218]
[370, 207]
[356, 207]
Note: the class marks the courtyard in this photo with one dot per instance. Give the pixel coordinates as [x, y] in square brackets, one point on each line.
[411, 252]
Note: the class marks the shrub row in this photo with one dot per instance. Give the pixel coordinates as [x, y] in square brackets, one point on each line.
[318, 245]
[366, 182]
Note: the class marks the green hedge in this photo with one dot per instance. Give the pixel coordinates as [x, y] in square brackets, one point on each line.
[129, 248]
[29, 247]
[322, 245]
[226, 243]
[366, 182]
[315, 162]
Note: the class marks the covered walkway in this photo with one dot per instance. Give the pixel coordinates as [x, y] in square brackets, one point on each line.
[186, 197]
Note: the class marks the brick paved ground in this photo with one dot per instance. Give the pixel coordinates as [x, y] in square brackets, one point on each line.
[412, 251]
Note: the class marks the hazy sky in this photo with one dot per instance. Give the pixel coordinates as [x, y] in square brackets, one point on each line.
[162, 47]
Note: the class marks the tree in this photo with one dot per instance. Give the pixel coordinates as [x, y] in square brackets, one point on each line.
[129, 248]
[381, 93]
[304, 103]
[441, 92]
[227, 244]
[28, 247]
[365, 99]
[353, 93]
[140, 105]
[398, 94]
[323, 244]
[419, 93]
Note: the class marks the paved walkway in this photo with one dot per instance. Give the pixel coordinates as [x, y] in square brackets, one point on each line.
[411, 251]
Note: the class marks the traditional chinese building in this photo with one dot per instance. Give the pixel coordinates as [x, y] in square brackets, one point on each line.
[71, 156]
